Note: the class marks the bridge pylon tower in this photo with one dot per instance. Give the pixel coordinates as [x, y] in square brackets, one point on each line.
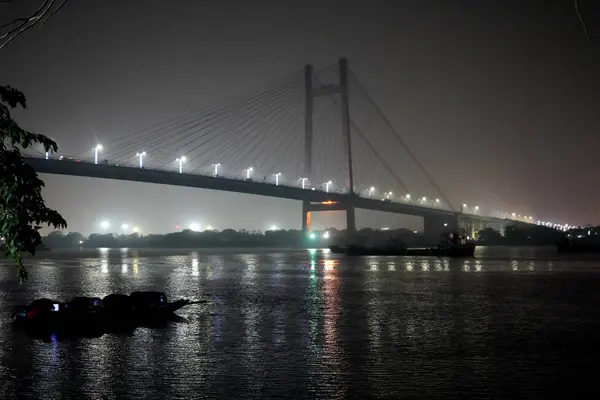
[312, 91]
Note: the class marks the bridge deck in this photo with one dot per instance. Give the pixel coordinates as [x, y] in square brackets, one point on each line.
[125, 173]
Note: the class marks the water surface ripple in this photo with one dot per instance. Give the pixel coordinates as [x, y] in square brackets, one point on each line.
[510, 323]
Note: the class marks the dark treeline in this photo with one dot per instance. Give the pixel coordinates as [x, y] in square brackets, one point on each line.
[520, 235]
[183, 239]
[226, 238]
[514, 235]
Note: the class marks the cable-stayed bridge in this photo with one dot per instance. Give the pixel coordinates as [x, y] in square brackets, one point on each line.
[315, 136]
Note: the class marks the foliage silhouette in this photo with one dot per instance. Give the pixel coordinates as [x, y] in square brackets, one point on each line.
[22, 208]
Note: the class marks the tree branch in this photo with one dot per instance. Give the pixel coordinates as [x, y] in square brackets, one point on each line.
[583, 23]
[10, 30]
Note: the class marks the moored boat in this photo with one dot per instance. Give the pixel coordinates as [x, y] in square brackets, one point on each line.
[138, 308]
[464, 250]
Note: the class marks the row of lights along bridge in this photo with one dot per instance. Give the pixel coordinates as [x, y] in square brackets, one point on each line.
[370, 192]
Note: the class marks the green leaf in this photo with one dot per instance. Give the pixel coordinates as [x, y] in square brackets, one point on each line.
[22, 208]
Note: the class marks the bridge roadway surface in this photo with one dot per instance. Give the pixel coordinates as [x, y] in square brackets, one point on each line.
[136, 174]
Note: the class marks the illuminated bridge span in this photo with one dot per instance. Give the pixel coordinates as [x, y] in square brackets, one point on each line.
[295, 139]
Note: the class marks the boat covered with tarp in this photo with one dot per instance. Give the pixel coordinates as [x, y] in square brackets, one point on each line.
[114, 312]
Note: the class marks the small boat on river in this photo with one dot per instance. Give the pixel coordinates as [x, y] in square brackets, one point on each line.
[115, 310]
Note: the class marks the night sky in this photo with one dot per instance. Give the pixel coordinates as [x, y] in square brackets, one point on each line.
[498, 99]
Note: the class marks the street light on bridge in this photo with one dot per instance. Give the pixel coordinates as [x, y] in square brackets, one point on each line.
[371, 191]
[277, 178]
[104, 225]
[96, 150]
[217, 165]
[180, 160]
[141, 156]
[303, 182]
[248, 172]
[327, 186]
[476, 208]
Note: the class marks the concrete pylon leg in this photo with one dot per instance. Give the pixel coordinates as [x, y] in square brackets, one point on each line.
[305, 216]
[350, 223]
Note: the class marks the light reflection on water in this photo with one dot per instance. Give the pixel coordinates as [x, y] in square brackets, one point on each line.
[316, 323]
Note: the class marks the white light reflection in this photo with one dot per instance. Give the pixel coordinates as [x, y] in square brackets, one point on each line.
[330, 293]
[104, 266]
[278, 261]
[215, 267]
[373, 265]
[195, 271]
[124, 268]
[251, 266]
[329, 266]
[515, 265]
[446, 265]
[466, 266]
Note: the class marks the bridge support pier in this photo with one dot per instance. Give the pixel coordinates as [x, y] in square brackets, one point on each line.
[308, 207]
[305, 216]
[350, 223]
[471, 224]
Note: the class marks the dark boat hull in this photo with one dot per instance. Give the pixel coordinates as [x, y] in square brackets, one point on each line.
[337, 249]
[458, 251]
[61, 329]
[92, 317]
[571, 247]
[104, 320]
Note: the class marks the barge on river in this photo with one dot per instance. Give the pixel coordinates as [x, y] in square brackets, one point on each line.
[453, 246]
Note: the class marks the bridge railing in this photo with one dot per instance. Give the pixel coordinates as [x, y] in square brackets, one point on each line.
[420, 202]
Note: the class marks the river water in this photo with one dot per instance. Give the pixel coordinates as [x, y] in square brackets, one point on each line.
[515, 323]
